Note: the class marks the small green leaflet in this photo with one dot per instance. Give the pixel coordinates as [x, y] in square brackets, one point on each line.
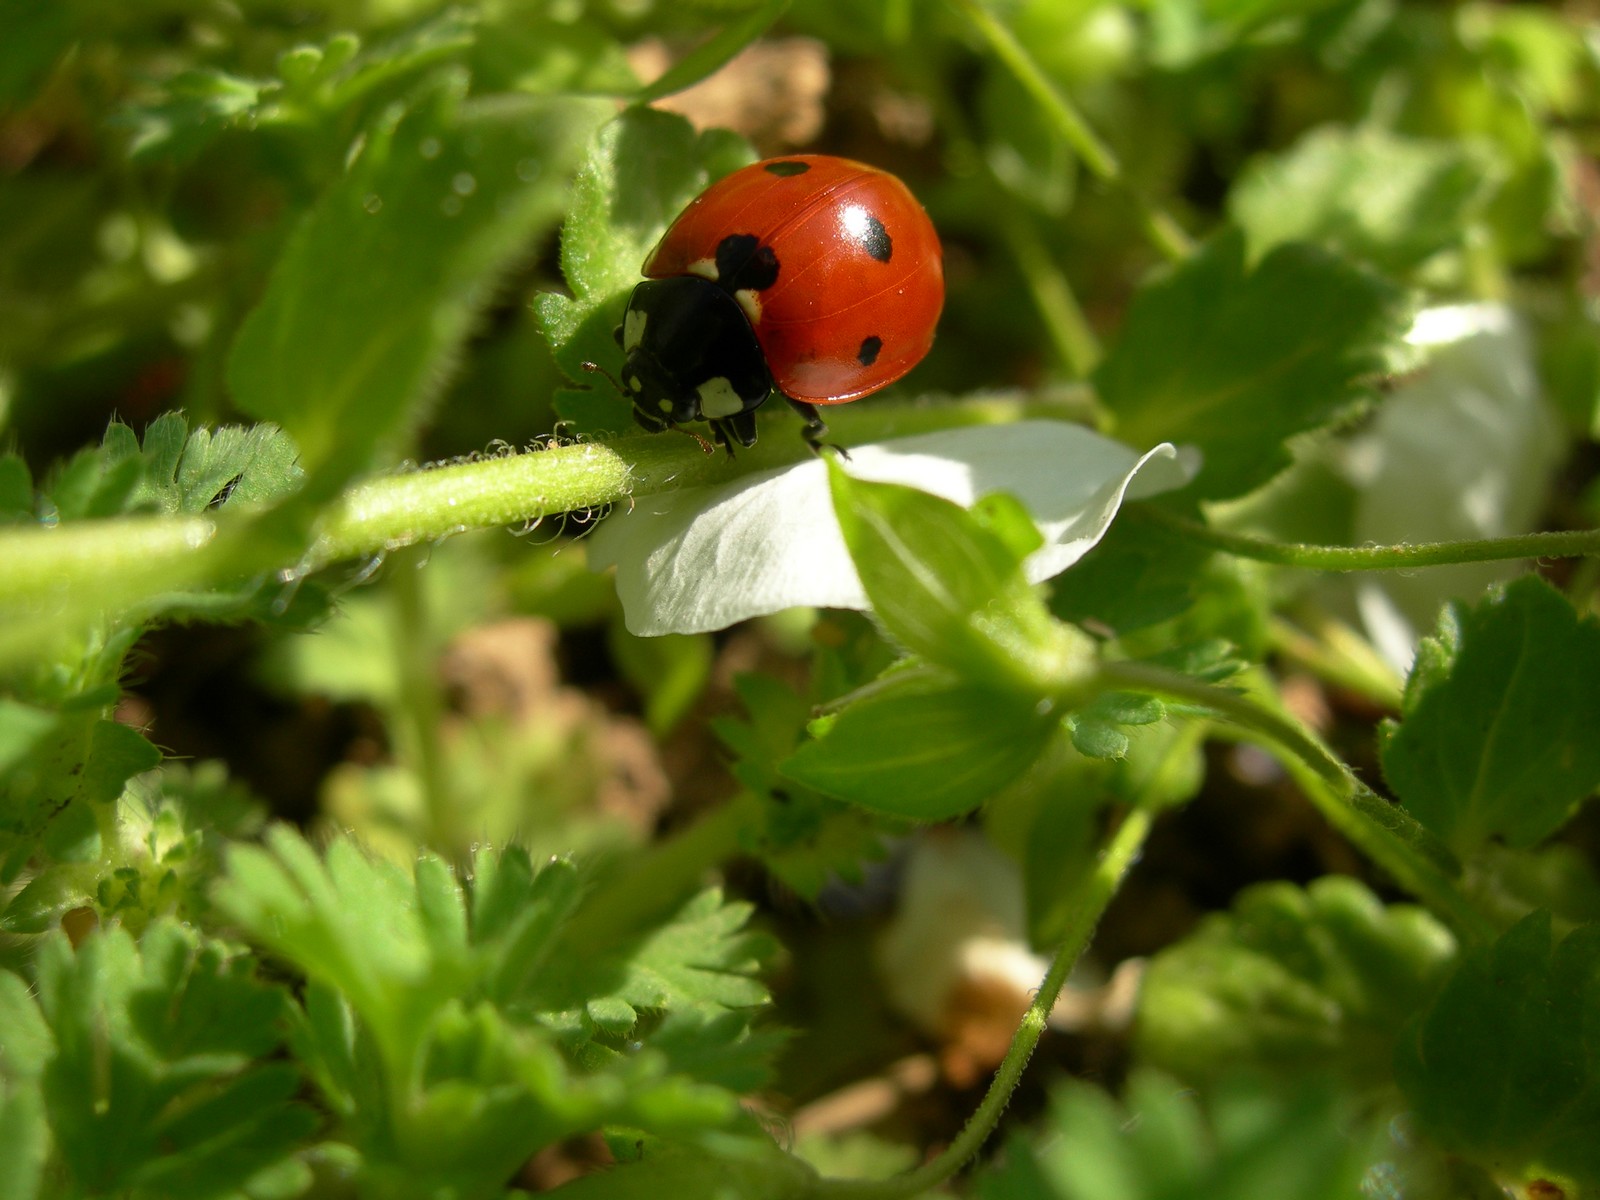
[948, 584]
[153, 1063]
[1497, 736]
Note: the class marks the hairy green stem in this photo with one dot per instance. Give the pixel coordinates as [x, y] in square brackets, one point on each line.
[1164, 232]
[71, 576]
[1088, 905]
[1405, 556]
[421, 705]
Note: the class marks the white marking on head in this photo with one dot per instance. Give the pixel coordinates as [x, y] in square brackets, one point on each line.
[706, 268]
[718, 399]
[633, 328]
[635, 384]
[750, 301]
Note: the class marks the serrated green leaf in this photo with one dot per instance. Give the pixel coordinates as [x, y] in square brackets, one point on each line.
[195, 106]
[94, 484]
[156, 1079]
[804, 838]
[1504, 1066]
[952, 591]
[1236, 361]
[379, 285]
[922, 748]
[1377, 196]
[314, 85]
[56, 770]
[1292, 982]
[1497, 737]
[517, 1033]
[1161, 1144]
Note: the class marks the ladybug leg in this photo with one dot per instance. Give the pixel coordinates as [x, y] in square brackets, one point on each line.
[815, 428]
[649, 421]
[740, 427]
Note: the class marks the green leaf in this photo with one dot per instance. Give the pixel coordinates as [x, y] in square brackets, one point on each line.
[1160, 1144]
[1292, 982]
[642, 169]
[378, 287]
[714, 52]
[951, 590]
[804, 838]
[315, 83]
[1236, 361]
[1140, 573]
[58, 771]
[25, 1048]
[460, 1033]
[193, 108]
[1504, 1067]
[1497, 733]
[156, 1080]
[924, 748]
[753, 1167]
[1381, 197]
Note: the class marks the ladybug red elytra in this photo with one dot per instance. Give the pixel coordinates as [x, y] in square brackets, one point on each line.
[818, 277]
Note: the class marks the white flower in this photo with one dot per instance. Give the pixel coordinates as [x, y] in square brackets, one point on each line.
[700, 559]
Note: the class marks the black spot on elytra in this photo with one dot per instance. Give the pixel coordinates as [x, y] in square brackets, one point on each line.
[868, 354]
[743, 262]
[875, 240]
[787, 167]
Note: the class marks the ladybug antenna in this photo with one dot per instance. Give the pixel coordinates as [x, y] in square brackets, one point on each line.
[595, 368]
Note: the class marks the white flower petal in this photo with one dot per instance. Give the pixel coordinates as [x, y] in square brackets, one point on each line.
[700, 559]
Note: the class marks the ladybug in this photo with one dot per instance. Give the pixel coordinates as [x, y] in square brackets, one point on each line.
[815, 276]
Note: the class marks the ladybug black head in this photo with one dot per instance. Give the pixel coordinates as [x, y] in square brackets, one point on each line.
[689, 354]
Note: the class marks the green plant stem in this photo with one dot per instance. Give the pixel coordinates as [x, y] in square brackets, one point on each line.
[1164, 232]
[1405, 556]
[1387, 835]
[1090, 902]
[421, 706]
[68, 577]
[1063, 318]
